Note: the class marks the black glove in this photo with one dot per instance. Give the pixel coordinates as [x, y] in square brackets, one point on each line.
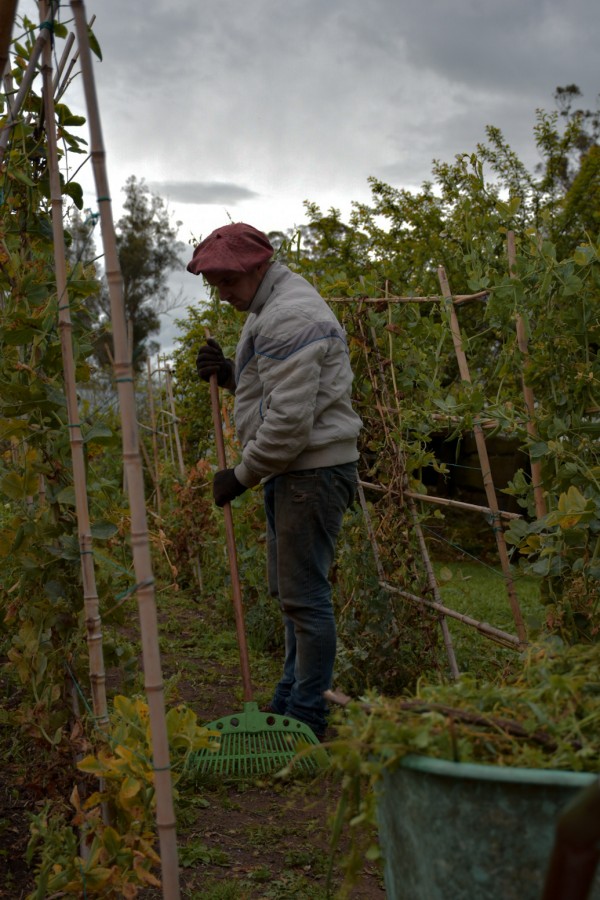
[210, 360]
[226, 487]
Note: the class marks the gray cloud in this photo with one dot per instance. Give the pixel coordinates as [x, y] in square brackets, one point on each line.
[203, 192]
[305, 100]
[266, 104]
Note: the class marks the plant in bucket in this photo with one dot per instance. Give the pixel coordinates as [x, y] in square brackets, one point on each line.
[466, 782]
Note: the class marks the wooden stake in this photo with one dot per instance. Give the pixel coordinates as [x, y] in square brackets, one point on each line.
[496, 634]
[174, 420]
[484, 461]
[432, 580]
[59, 90]
[90, 592]
[460, 504]
[447, 637]
[536, 469]
[30, 72]
[372, 537]
[154, 440]
[8, 10]
[458, 299]
[153, 682]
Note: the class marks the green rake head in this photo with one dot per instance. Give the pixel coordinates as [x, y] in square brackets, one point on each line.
[256, 743]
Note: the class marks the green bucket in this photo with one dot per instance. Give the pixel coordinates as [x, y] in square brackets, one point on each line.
[460, 831]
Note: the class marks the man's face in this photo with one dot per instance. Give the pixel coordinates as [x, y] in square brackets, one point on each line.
[236, 289]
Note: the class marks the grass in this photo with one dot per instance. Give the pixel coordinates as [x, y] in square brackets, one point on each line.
[478, 590]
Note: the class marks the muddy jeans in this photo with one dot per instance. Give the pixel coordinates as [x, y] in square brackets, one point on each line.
[304, 515]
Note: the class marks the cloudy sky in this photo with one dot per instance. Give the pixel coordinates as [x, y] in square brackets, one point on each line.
[244, 110]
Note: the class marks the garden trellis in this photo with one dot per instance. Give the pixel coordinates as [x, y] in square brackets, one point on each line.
[123, 370]
[142, 564]
[163, 427]
[389, 410]
[90, 592]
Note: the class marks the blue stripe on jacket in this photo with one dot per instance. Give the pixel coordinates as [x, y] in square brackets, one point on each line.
[274, 348]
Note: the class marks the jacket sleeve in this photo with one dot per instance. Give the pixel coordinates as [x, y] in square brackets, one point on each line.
[290, 375]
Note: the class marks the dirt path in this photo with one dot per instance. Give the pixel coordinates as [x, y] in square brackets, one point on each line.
[261, 839]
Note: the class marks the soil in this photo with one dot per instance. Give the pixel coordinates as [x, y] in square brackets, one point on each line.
[260, 839]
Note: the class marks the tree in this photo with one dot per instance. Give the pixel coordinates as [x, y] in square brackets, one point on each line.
[148, 251]
[580, 134]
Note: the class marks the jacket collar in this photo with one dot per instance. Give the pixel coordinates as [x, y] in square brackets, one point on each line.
[275, 273]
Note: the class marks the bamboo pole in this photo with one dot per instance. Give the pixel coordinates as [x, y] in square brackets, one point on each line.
[195, 563]
[30, 72]
[63, 60]
[90, 592]
[59, 90]
[154, 441]
[164, 426]
[167, 415]
[371, 533]
[432, 580]
[442, 501]
[488, 482]
[8, 91]
[490, 631]
[148, 463]
[238, 608]
[446, 636]
[165, 814]
[175, 420]
[460, 504]
[536, 469]
[8, 11]
[458, 299]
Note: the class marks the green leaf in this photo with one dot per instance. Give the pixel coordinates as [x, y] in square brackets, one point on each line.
[584, 255]
[54, 589]
[67, 495]
[21, 176]
[573, 508]
[17, 487]
[572, 285]
[74, 190]
[373, 853]
[99, 433]
[112, 840]
[538, 449]
[94, 45]
[541, 566]
[101, 531]
[16, 337]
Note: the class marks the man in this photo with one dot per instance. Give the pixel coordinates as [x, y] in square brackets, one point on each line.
[294, 418]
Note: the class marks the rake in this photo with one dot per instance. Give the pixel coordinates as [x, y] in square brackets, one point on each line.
[250, 742]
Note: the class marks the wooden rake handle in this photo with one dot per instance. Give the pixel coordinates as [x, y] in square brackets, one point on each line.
[231, 549]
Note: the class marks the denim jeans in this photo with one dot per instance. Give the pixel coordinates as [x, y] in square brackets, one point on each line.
[304, 512]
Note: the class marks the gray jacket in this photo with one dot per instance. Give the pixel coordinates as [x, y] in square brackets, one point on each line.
[293, 382]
